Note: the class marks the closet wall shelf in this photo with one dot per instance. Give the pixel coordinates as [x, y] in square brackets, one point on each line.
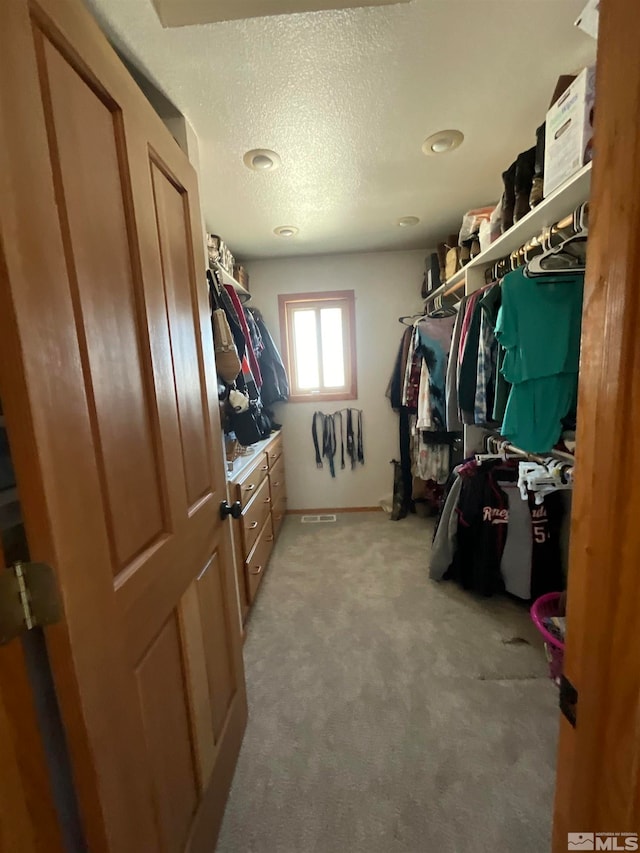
[227, 278]
[566, 198]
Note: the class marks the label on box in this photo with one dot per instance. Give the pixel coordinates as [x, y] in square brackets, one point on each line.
[569, 131]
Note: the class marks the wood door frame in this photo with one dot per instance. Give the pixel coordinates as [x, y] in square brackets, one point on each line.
[598, 786]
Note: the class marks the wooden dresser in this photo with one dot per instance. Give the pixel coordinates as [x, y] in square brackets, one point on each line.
[259, 484]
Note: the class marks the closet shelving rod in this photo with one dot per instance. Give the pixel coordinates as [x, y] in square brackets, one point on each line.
[502, 444]
[570, 195]
[534, 243]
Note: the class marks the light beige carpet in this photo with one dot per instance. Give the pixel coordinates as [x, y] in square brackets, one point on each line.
[388, 713]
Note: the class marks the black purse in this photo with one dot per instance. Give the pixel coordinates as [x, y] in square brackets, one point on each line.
[245, 426]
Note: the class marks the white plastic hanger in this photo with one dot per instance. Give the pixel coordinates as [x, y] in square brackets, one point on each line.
[557, 260]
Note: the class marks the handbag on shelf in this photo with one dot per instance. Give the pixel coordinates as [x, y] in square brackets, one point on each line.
[431, 280]
[227, 361]
[249, 422]
[453, 262]
[245, 427]
[242, 419]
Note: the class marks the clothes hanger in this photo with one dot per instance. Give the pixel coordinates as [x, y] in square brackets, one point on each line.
[496, 449]
[568, 257]
[411, 317]
[440, 310]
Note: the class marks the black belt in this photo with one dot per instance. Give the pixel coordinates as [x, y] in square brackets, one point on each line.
[327, 449]
[329, 445]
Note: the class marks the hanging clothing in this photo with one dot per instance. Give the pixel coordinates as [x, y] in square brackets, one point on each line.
[275, 384]
[454, 424]
[251, 356]
[432, 461]
[486, 370]
[405, 458]
[394, 388]
[539, 326]
[417, 390]
[220, 299]
[490, 540]
[444, 541]
[412, 374]
[491, 302]
[466, 322]
[254, 333]
[434, 337]
[518, 549]
[468, 368]
[425, 421]
[482, 534]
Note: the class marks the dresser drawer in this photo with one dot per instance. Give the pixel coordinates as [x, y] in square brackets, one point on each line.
[256, 564]
[254, 516]
[277, 482]
[279, 511]
[252, 480]
[275, 451]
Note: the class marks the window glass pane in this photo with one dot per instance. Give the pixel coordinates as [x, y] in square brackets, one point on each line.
[332, 347]
[306, 349]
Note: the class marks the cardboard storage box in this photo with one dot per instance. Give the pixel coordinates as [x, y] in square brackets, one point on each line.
[569, 131]
[590, 18]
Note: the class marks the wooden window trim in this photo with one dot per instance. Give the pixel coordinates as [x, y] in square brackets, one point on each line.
[349, 298]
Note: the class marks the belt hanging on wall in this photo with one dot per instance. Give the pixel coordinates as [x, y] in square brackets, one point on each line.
[324, 430]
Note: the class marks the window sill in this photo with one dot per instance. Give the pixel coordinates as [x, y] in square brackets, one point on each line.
[312, 398]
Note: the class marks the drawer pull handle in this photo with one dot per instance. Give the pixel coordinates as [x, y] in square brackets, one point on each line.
[253, 525]
[265, 468]
[256, 571]
[267, 500]
[275, 485]
[250, 487]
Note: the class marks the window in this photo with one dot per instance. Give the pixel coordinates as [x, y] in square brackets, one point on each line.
[319, 344]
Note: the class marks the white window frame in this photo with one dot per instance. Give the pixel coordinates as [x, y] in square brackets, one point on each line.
[343, 299]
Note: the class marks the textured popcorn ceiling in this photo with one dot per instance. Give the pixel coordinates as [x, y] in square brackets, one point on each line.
[347, 98]
[178, 13]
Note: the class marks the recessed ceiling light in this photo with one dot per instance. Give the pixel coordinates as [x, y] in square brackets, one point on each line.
[443, 142]
[408, 221]
[261, 160]
[286, 231]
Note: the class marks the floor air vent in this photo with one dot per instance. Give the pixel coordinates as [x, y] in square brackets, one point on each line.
[317, 519]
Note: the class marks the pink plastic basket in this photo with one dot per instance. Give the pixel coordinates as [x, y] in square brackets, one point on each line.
[545, 606]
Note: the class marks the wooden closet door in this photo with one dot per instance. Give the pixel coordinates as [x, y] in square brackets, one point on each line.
[107, 356]
[598, 786]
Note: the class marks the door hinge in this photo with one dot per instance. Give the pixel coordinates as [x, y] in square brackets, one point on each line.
[28, 598]
[568, 700]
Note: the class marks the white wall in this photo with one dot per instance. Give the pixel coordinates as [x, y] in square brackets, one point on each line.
[387, 286]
